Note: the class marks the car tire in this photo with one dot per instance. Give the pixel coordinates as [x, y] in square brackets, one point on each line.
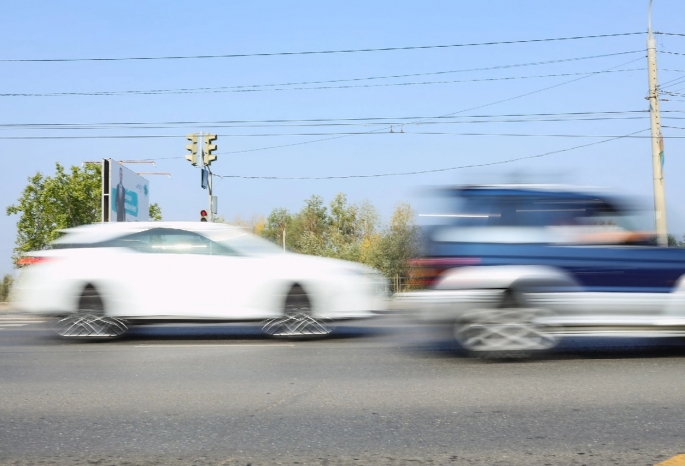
[297, 320]
[89, 321]
[509, 331]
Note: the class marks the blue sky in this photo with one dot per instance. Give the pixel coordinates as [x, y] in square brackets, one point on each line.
[172, 28]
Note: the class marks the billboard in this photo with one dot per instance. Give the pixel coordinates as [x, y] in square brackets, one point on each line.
[125, 195]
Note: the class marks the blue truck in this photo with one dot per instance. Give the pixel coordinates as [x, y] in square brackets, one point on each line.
[514, 268]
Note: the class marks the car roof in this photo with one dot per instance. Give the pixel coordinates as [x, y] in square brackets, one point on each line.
[97, 232]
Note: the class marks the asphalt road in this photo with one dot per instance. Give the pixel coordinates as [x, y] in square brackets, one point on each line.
[380, 392]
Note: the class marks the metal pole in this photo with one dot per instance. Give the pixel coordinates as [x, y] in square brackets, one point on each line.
[209, 176]
[657, 139]
[209, 185]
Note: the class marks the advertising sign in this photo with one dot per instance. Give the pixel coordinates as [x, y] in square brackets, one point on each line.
[127, 198]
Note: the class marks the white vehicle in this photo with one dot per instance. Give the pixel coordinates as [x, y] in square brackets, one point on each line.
[100, 279]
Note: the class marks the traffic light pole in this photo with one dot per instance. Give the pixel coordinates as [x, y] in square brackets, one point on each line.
[209, 176]
[657, 139]
[207, 155]
[209, 187]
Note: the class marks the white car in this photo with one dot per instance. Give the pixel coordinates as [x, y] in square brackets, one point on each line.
[100, 279]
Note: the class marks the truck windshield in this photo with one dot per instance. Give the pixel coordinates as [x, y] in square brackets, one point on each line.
[531, 211]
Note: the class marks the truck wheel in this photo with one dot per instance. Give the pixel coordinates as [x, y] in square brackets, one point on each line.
[509, 331]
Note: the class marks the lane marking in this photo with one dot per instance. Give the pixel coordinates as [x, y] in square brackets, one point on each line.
[678, 460]
[226, 345]
[15, 321]
[12, 325]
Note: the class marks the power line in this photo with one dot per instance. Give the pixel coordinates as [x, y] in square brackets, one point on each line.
[671, 82]
[536, 91]
[396, 123]
[315, 52]
[341, 134]
[436, 170]
[360, 120]
[348, 86]
[436, 117]
[444, 115]
[264, 87]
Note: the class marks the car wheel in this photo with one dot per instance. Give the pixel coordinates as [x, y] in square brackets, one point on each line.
[510, 331]
[89, 320]
[297, 319]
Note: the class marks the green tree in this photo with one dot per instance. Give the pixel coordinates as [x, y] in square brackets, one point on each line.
[308, 231]
[276, 225]
[155, 212]
[344, 232]
[49, 204]
[351, 232]
[6, 287]
[398, 244]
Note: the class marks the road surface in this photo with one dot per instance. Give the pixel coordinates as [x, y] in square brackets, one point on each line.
[378, 392]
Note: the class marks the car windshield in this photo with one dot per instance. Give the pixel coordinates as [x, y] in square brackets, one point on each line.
[242, 242]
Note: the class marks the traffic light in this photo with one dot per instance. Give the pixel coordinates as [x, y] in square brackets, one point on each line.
[209, 148]
[192, 147]
[203, 215]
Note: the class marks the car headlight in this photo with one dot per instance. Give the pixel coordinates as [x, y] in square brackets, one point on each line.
[379, 284]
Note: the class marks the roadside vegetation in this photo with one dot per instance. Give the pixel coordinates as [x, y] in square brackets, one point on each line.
[353, 232]
[5, 287]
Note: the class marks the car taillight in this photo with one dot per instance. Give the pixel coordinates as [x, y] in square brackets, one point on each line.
[32, 260]
[423, 272]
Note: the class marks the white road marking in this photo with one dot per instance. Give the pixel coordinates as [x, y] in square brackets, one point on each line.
[23, 321]
[228, 345]
[13, 325]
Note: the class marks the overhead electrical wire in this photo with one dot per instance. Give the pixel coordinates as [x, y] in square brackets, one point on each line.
[397, 123]
[436, 170]
[358, 133]
[359, 120]
[337, 136]
[672, 82]
[348, 86]
[440, 116]
[310, 52]
[588, 75]
[264, 87]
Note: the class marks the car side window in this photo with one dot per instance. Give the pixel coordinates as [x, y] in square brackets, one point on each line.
[171, 241]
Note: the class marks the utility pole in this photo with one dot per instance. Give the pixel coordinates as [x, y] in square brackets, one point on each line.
[657, 139]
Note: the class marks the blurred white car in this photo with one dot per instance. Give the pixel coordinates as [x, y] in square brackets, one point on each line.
[100, 279]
